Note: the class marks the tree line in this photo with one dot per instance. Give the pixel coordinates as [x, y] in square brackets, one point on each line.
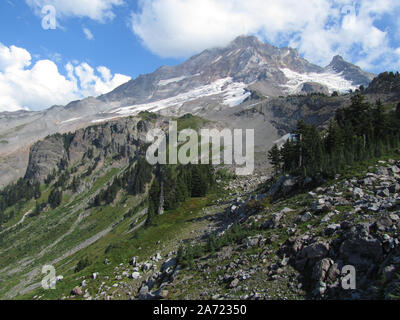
[174, 184]
[359, 132]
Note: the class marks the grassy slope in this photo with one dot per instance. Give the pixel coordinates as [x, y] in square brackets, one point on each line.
[119, 246]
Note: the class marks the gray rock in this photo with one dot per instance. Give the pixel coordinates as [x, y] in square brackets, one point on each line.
[306, 217]
[383, 171]
[234, 283]
[358, 192]
[135, 275]
[384, 193]
[361, 252]
[255, 241]
[395, 169]
[170, 263]
[328, 217]
[77, 291]
[331, 229]
[321, 269]
[309, 255]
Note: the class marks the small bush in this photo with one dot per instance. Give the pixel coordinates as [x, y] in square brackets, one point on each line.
[82, 264]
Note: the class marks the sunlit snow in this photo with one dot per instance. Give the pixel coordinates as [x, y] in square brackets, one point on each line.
[71, 120]
[172, 80]
[280, 142]
[334, 81]
[233, 94]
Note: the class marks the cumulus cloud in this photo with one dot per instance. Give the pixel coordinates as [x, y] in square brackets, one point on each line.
[24, 85]
[99, 10]
[318, 28]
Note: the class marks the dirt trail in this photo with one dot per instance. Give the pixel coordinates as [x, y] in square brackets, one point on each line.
[18, 223]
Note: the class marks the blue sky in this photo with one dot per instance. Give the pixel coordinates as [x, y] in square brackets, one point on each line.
[100, 44]
[114, 44]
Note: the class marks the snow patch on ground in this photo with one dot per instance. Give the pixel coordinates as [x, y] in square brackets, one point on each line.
[216, 60]
[233, 94]
[334, 81]
[104, 120]
[280, 142]
[236, 94]
[172, 80]
[70, 120]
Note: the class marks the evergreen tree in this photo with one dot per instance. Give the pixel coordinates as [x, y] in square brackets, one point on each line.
[154, 201]
[274, 157]
[55, 198]
[379, 121]
[398, 111]
[199, 185]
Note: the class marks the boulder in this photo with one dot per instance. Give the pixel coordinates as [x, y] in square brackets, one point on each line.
[285, 185]
[135, 275]
[361, 252]
[384, 223]
[234, 283]
[309, 255]
[321, 206]
[255, 241]
[383, 171]
[331, 229]
[359, 193]
[77, 291]
[395, 169]
[385, 193]
[321, 269]
[306, 217]
[170, 263]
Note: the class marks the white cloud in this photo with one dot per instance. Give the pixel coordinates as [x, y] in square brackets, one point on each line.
[41, 85]
[99, 10]
[88, 33]
[318, 28]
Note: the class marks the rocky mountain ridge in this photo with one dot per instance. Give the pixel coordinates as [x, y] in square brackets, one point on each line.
[216, 79]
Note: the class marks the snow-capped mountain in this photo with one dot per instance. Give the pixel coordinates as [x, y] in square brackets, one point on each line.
[214, 79]
[230, 73]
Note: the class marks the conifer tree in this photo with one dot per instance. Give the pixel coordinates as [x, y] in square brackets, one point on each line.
[274, 157]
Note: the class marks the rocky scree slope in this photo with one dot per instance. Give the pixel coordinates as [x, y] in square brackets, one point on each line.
[293, 247]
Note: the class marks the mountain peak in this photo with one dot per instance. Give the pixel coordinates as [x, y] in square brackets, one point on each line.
[337, 58]
[350, 71]
[244, 40]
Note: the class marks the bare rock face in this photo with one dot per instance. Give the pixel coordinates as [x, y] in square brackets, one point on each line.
[120, 138]
[44, 157]
[387, 82]
[314, 87]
